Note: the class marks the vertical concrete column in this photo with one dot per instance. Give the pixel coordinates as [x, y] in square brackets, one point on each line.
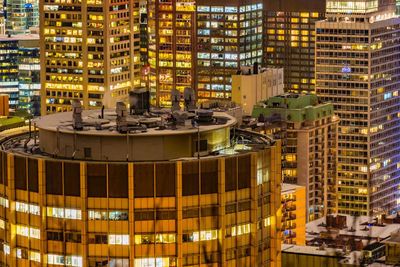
[12, 216]
[131, 205]
[221, 212]
[43, 210]
[253, 209]
[179, 213]
[84, 214]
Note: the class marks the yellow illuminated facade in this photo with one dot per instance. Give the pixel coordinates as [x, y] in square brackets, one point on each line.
[222, 211]
[171, 27]
[293, 198]
[350, 50]
[89, 51]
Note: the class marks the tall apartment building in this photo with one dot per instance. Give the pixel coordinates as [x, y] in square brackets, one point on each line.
[308, 130]
[139, 199]
[171, 31]
[21, 16]
[293, 200]
[253, 84]
[89, 51]
[289, 40]
[357, 55]
[228, 36]
[19, 63]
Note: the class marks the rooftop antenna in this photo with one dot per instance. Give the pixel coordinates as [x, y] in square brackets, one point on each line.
[77, 114]
[189, 98]
[175, 99]
[122, 124]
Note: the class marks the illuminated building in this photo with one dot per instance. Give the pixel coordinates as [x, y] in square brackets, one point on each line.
[21, 15]
[293, 198]
[289, 40]
[356, 70]
[19, 56]
[253, 84]
[171, 31]
[308, 130]
[100, 197]
[89, 51]
[228, 36]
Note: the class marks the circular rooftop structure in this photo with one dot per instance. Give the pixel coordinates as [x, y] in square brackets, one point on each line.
[159, 135]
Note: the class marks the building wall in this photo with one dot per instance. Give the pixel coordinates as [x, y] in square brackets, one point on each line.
[179, 213]
[368, 108]
[248, 90]
[298, 260]
[228, 36]
[294, 216]
[89, 51]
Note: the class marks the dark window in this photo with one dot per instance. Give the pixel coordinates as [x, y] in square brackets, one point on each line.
[20, 172]
[144, 215]
[230, 209]
[5, 169]
[166, 215]
[144, 180]
[96, 180]
[73, 237]
[190, 178]
[1, 167]
[190, 213]
[33, 184]
[165, 179]
[210, 211]
[55, 236]
[230, 174]
[244, 206]
[244, 171]
[72, 179]
[53, 178]
[209, 176]
[118, 180]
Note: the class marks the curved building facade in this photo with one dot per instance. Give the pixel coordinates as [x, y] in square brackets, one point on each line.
[216, 210]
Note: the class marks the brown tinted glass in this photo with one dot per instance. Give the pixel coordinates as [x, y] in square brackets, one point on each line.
[244, 171]
[33, 184]
[143, 180]
[118, 180]
[190, 178]
[54, 177]
[209, 176]
[165, 179]
[230, 174]
[72, 179]
[96, 180]
[20, 172]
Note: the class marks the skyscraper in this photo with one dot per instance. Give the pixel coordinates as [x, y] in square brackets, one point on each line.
[171, 31]
[89, 51]
[357, 54]
[21, 16]
[289, 40]
[228, 36]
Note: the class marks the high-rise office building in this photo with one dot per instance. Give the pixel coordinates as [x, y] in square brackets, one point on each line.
[357, 53]
[228, 36]
[308, 130]
[21, 16]
[108, 198]
[289, 40]
[19, 63]
[89, 51]
[171, 31]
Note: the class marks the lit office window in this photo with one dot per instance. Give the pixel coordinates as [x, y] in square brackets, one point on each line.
[34, 256]
[61, 213]
[118, 239]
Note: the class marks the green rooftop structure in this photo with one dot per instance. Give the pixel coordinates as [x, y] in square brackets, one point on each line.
[292, 108]
[308, 130]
